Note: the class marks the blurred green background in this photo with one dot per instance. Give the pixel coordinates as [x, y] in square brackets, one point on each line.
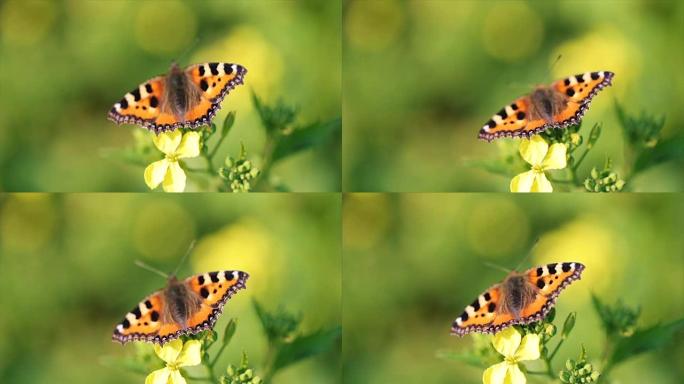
[63, 64]
[66, 267]
[413, 262]
[422, 77]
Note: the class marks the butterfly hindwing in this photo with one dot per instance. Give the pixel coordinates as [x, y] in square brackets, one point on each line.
[141, 105]
[513, 120]
[143, 322]
[480, 314]
[214, 288]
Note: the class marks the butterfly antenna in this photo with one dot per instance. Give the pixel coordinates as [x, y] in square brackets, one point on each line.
[151, 268]
[496, 266]
[187, 253]
[529, 253]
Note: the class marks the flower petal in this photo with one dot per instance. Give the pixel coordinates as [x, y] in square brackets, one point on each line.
[495, 374]
[169, 352]
[522, 182]
[155, 172]
[533, 150]
[174, 181]
[191, 354]
[168, 142]
[177, 378]
[189, 145]
[160, 376]
[555, 157]
[529, 348]
[541, 183]
[507, 341]
[514, 375]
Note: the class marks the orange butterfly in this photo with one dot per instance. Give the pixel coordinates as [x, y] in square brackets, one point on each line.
[183, 98]
[557, 106]
[181, 308]
[522, 298]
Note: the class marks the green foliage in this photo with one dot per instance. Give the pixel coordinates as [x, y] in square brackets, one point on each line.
[287, 344]
[241, 374]
[238, 173]
[579, 371]
[605, 180]
[618, 320]
[642, 131]
[645, 340]
[306, 137]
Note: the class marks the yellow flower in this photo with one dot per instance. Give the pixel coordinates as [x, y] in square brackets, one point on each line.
[175, 146]
[541, 157]
[176, 355]
[508, 343]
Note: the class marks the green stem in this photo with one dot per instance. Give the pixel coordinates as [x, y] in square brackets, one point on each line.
[218, 354]
[556, 349]
[267, 156]
[218, 144]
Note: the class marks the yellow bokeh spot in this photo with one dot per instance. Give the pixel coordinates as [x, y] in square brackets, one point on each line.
[246, 246]
[26, 22]
[497, 227]
[603, 49]
[247, 46]
[586, 240]
[28, 222]
[512, 31]
[165, 27]
[163, 229]
[373, 25]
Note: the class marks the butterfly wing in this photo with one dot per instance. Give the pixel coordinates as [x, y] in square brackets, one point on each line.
[214, 288]
[141, 105]
[512, 120]
[215, 81]
[481, 315]
[579, 90]
[144, 322]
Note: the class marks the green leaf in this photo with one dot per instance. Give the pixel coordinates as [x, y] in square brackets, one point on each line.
[278, 325]
[274, 118]
[306, 346]
[228, 123]
[639, 131]
[569, 324]
[229, 331]
[671, 149]
[305, 138]
[645, 340]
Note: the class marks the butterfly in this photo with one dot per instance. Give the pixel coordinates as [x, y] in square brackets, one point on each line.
[182, 307]
[557, 106]
[522, 298]
[186, 98]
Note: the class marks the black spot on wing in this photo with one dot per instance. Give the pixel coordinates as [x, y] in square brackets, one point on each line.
[579, 78]
[204, 293]
[136, 94]
[136, 312]
[502, 113]
[201, 70]
[551, 268]
[514, 106]
[566, 267]
[148, 87]
[214, 277]
[566, 82]
[540, 271]
[126, 324]
[464, 316]
[148, 304]
[154, 101]
[570, 92]
[200, 279]
[123, 103]
[491, 124]
[154, 316]
[540, 283]
[213, 67]
[491, 307]
[595, 75]
[476, 304]
[520, 115]
[204, 85]
[487, 297]
[228, 275]
[228, 69]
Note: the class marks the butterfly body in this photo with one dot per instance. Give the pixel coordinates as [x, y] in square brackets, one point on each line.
[184, 98]
[521, 298]
[559, 105]
[182, 307]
